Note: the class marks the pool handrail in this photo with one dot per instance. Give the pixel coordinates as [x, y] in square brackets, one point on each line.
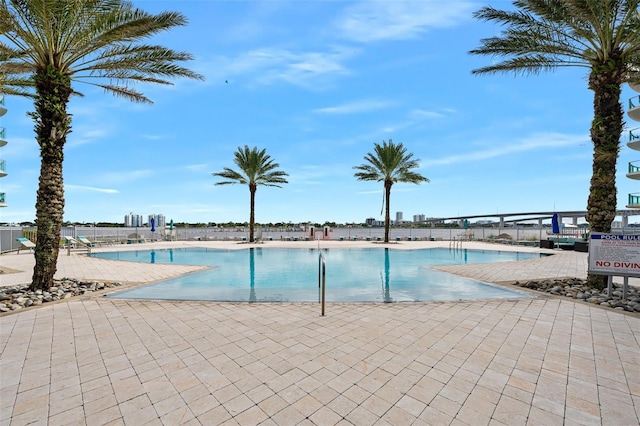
[322, 274]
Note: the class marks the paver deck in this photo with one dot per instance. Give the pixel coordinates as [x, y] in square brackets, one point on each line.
[532, 361]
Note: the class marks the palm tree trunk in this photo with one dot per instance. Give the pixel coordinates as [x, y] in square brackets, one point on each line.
[606, 128]
[387, 207]
[252, 214]
[52, 126]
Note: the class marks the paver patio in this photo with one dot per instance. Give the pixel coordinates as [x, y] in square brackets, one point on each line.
[535, 360]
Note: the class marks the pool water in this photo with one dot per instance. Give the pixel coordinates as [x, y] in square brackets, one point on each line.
[291, 275]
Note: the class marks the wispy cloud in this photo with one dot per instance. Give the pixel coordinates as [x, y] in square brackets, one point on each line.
[196, 167]
[421, 114]
[21, 148]
[272, 65]
[85, 135]
[415, 118]
[153, 137]
[369, 21]
[313, 174]
[125, 177]
[82, 188]
[355, 107]
[533, 142]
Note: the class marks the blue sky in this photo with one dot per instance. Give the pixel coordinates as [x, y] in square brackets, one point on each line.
[317, 83]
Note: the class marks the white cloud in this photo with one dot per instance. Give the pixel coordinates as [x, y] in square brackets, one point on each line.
[196, 167]
[90, 189]
[415, 118]
[355, 107]
[124, 177]
[310, 175]
[421, 114]
[369, 21]
[271, 65]
[533, 142]
[82, 135]
[153, 137]
[20, 148]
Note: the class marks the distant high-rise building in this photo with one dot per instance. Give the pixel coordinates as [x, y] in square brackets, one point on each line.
[371, 221]
[398, 218]
[418, 218]
[159, 220]
[133, 220]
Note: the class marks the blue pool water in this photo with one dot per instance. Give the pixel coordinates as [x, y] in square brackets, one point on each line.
[291, 275]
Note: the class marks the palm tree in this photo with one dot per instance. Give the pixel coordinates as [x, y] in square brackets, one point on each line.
[599, 35]
[50, 44]
[389, 164]
[256, 168]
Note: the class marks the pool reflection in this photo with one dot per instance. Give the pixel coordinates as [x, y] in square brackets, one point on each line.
[252, 275]
[386, 296]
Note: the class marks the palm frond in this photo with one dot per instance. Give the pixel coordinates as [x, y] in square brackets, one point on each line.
[543, 35]
[92, 40]
[389, 163]
[255, 167]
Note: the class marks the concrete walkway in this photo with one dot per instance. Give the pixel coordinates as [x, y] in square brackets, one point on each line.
[532, 361]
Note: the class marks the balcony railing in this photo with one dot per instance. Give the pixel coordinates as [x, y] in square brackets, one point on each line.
[1, 197]
[634, 134]
[634, 167]
[3, 132]
[634, 199]
[634, 102]
[1, 99]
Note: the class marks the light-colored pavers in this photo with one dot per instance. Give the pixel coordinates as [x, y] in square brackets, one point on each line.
[527, 361]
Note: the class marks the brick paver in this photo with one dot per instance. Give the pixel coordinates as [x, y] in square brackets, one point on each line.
[525, 361]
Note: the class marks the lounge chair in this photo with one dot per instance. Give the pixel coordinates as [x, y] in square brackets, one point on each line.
[86, 241]
[71, 242]
[25, 243]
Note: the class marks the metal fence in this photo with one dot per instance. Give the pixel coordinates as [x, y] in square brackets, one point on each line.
[8, 235]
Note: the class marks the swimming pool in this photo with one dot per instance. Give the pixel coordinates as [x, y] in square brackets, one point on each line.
[291, 275]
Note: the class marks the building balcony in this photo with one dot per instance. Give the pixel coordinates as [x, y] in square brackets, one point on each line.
[634, 201]
[634, 170]
[3, 140]
[2, 198]
[3, 164]
[634, 139]
[634, 108]
[635, 86]
[3, 110]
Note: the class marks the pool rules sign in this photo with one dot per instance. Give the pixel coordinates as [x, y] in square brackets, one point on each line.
[611, 254]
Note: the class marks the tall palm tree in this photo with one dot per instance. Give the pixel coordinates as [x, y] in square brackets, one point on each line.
[389, 164]
[256, 168]
[602, 36]
[45, 46]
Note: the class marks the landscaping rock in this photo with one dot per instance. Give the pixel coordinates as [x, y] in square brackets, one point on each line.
[19, 297]
[577, 289]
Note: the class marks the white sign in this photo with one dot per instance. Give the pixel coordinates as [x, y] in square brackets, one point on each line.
[611, 254]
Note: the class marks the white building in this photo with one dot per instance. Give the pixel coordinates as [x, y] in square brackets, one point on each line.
[159, 220]
[3, 142]
[399, 219]
[417, 218]
[133, 220]
[371, 221]
[634, 143]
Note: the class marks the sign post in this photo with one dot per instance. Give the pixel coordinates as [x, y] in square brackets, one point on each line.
[614, 255]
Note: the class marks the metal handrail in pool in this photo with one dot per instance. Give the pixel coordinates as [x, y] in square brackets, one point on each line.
[322, 275]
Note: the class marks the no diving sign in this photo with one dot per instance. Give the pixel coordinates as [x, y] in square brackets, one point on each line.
[612, 254]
